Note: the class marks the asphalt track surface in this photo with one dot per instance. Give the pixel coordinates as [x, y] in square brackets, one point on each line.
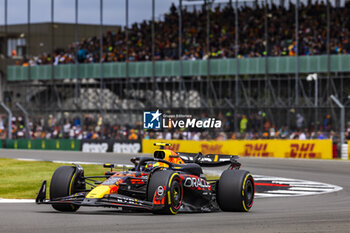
[318, 213]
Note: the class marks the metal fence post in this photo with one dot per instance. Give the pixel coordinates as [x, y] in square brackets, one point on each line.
[76, 51]
[153, 38]
[237, 68]
[5, 26]
[180, 36]
[297, 52]
[9, 127]
[328, 50]
[127, 38]
[342, 123]
[26, 121]
[266, 49]
[101, 66]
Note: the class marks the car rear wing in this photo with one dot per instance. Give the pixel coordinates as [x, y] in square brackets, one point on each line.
[209, 160]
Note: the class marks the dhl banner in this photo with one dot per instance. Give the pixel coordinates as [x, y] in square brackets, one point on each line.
[310, 149]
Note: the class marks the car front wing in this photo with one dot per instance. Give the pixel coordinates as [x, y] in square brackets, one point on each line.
[110, 200]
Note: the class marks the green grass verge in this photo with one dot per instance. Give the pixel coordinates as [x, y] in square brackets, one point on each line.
[22, 179]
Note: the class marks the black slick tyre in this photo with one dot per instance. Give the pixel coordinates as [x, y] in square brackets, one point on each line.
[63, 184]
[235, 191]
[171, 187]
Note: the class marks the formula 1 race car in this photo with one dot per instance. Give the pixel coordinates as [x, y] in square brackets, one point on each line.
[167, 183]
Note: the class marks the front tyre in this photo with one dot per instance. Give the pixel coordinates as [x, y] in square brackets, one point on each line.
[235, 191]
[171, 184]
[64, 182]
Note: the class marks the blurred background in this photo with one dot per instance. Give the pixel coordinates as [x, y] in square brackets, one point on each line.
[88, 69]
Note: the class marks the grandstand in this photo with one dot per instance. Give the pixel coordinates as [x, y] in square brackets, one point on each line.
[223, 59]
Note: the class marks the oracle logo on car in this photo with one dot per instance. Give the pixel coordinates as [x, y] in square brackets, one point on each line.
[195, 182]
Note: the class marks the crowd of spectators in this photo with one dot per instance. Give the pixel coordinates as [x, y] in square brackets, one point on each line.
[252, 41]
[253, 126]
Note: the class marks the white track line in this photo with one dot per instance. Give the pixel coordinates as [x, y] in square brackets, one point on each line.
[299, 187]
[309, 189]
[262, 195]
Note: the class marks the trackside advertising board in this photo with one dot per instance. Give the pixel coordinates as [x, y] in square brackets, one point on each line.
[115, 146]
[43, 144]
[309, 149]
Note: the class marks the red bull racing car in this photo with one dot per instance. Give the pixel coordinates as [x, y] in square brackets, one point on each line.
[167, 183]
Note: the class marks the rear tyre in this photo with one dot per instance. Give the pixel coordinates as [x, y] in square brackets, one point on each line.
[235, 191]
[64, 183]
[172, 190]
